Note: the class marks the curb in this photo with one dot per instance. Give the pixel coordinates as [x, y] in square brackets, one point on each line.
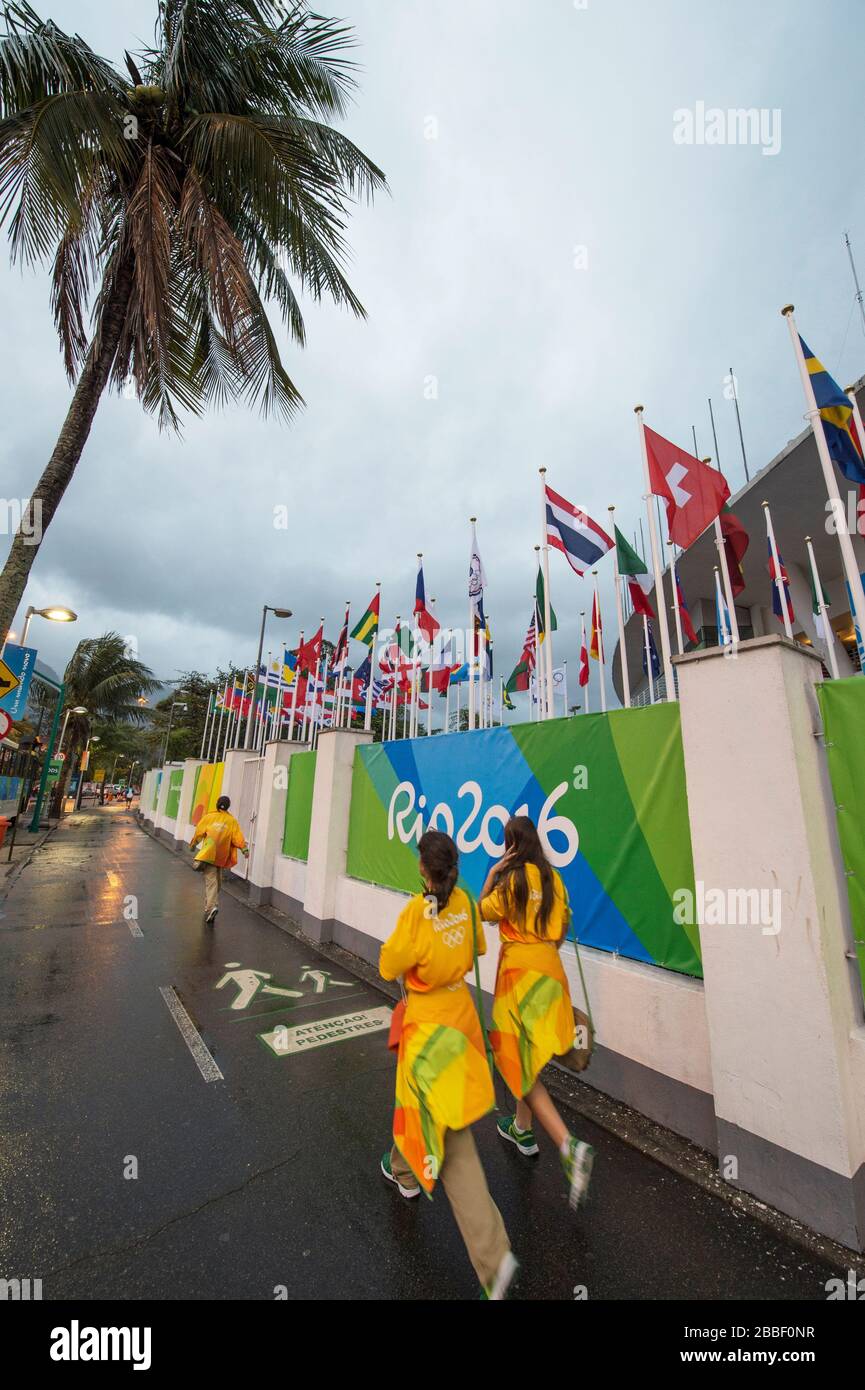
[14, 871]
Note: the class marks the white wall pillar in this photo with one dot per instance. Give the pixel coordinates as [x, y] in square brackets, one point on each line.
[161, 824]
[270, 817]
[232, 773]
[783, 1001]
[328, 833]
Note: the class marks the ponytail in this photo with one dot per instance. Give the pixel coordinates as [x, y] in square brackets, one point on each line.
[440, 860]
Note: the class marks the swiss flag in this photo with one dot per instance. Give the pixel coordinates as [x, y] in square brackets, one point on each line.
[694, 492]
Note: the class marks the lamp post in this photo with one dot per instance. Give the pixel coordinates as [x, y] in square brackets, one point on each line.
[85, 758]
[73, 709]
[176, 701]
[46, 764]
[55, 613]
[253, 707]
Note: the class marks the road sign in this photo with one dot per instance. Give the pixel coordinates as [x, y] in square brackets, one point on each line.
[304, 1036]
[5, 723]
[16, 668]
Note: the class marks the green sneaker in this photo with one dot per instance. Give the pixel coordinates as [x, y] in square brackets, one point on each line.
[391, 1176]
[577, 1163]
[497, 1289]
[523, 1138]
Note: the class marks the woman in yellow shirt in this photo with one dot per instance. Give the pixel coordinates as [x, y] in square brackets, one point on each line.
[222, 838]
[443, 1080]
[533, 1019]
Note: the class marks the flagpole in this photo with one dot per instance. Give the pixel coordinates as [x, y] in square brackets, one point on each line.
[648, 648]
[221, 714]
[548, 638]
[211, 706]
[850, 391]
[565, 682]
[779, 578]
[623, 660]
[367, 718]
[429, 712]
[656, 561]
[298, 675]
[679, 640]
[719, 601]
[828, 630]
[601, 661]
[540, 658]
[229, 728]
[851, 568]
[588, 661]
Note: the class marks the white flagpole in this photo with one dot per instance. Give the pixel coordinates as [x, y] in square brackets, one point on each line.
[548, 636]
[229, 728]
[648, 658]
[367, 720]
[501, 701]
[565, 683]
[211, 710]
[429, 719]
[829, 632]
[680, 643]
[851, 568]
[297, 679]
[471, 643]
[221, 715]
[656, 562]
[601, 661]
[726, 638]
[779, 580]
[394, 730]
[584, 643]
[620, 617]
[238, 713]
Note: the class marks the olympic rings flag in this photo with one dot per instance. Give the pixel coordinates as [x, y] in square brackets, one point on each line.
[607, 793]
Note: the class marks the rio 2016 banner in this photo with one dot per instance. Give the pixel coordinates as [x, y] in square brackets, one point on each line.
[842, 704]
[607, 793]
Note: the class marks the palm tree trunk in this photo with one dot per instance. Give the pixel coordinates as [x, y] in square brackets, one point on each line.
[67, 451]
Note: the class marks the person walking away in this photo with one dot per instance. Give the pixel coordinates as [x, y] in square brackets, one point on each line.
[533, 1019]
[443, 1081]
[222, 838]
[129, 798]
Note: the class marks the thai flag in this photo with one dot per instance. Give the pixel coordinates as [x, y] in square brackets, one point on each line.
[572, 531]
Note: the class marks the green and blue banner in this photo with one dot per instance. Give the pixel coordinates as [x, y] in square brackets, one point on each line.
[607, 793]
[298, 805]
[842, 704]
[172, 801]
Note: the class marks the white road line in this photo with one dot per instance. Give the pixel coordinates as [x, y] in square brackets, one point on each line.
[134, 927]
[190, 1034]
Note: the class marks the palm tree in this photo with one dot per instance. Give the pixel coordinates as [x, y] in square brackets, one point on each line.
[106, 681]
[176, 202]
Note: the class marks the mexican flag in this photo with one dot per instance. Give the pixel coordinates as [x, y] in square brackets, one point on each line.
[634, 570]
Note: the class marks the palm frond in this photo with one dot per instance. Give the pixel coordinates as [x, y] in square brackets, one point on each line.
[38, 60]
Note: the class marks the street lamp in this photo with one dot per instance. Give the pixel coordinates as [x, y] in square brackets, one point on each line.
[174, 702]
[55, 613]
[93, 738]
[253, 708]
[74, 709]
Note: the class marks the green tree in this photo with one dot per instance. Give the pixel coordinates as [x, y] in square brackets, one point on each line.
[177, 202]
[110, 684]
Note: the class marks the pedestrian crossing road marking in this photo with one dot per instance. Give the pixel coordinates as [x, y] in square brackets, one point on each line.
[302, 1037]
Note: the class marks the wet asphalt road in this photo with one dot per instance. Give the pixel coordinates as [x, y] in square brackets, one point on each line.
[268, 1177]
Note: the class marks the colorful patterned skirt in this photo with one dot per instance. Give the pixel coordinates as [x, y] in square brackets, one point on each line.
[533, 1019]
[443, 1079]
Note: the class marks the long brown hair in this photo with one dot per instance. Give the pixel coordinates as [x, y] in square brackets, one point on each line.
[523, 846]
[439, 858]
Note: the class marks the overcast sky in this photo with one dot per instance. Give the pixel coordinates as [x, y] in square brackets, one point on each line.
[553, 126]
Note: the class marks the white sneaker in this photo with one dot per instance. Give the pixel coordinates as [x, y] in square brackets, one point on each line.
[497, 1290]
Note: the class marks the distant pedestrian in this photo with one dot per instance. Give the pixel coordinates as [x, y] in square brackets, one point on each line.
[129, 797]
[533, 1019]
[222, 838]
[443, 1080]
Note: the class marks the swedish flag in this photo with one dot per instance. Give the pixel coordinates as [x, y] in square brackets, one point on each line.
[836, 412]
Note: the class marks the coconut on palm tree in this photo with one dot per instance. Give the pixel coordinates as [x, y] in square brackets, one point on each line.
[177, 202]
[108, 683]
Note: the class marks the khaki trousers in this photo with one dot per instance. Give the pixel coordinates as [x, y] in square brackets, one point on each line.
[475, 1212]
[212, 885]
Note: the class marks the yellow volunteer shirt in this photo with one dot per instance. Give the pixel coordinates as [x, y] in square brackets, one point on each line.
[222, 837]
[432, 952]
[494, 909]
